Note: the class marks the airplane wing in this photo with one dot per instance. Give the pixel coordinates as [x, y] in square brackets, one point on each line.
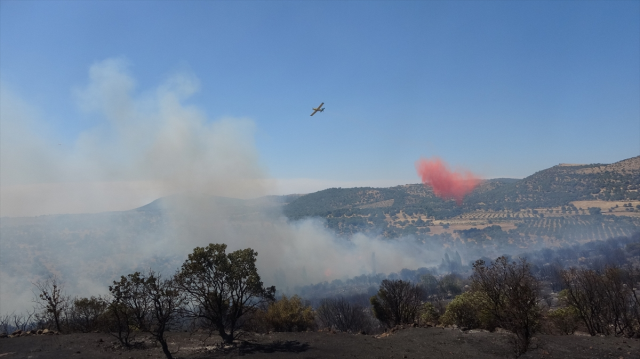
[314, 112]
[321, 105]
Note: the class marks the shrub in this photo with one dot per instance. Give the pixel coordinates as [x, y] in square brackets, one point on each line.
[86, 314]
[469, 310]
[565, 319]
[289, 315]
[429, 314]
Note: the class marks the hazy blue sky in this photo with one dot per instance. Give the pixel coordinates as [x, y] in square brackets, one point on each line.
[504, 89]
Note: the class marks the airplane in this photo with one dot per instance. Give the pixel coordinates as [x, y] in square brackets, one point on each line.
[319, 109]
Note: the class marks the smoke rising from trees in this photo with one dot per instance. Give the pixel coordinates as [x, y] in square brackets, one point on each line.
[142, 145]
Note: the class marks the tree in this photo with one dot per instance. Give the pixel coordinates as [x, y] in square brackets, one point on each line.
[129, 309]
[606, 301]
[469, 310]
[147, 303]
[594, 211]
[221, 288]
[165, 303]
[52, 301]
[511, 293]
[86, 313]
[397, 302]
[340, 314]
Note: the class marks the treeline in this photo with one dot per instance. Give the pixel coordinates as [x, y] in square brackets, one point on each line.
[212, 290]
[222, 293]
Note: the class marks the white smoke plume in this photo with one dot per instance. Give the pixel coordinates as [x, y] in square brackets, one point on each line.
[145, 145]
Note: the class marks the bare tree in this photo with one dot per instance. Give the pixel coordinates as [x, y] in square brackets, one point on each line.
[512, 294]
[340, 314]
[607, 301]
[52, 300]
[397, 302]
[165, 303]
[5, 324]
[12, 322]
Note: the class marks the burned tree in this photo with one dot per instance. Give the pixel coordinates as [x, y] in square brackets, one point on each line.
[511, 295]
[397, 302]
[340, 314]
[129, 308]
[165, 302]
[147, 303]
[607, 301]
[51, 299]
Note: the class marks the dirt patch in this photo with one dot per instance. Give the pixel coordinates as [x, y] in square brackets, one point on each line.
[408, 343]
[609, 207]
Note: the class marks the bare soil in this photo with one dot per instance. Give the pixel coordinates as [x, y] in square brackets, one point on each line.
[407, 343]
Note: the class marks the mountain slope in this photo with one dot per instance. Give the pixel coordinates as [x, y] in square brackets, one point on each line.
[555, 186]
[561, 184]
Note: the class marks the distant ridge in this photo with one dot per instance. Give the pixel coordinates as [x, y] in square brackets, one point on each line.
[552, 187]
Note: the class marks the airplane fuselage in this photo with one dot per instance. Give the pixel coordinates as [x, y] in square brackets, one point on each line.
[318, 109]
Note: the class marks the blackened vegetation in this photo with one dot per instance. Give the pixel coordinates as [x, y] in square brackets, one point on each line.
[214, 291]
[346, 315]
[52, 301]
[144, 303]
[592, 287]
[397, 302]
[606, 300]
[511, 294]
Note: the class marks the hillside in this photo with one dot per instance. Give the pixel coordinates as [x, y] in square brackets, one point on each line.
[562, 184]
[553, 187]
[551, 206]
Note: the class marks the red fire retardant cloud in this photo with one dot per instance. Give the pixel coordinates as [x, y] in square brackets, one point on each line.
[446, 184]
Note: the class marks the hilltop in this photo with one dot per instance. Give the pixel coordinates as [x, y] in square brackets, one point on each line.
[552, 187]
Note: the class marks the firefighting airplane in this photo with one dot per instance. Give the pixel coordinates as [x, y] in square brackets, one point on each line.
[319, 109]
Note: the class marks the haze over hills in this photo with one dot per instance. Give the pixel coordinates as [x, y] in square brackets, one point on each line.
[550, 205]
[326, 235]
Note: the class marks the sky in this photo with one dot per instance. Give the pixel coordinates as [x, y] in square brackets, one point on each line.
[107, 105]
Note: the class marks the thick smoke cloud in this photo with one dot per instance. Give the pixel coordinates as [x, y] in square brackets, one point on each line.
[445, 183]
[142, 146]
